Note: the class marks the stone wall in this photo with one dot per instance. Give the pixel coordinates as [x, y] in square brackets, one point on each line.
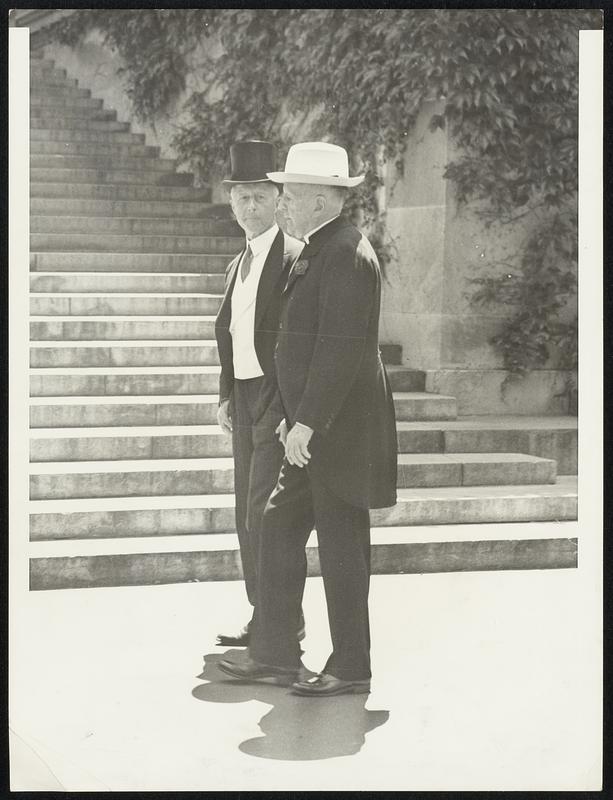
[427, 305]
[416, 218]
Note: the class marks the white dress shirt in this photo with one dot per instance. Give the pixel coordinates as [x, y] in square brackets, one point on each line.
[244, 294]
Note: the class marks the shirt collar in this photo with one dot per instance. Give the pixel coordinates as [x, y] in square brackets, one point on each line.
[308, 235]
[263, 241]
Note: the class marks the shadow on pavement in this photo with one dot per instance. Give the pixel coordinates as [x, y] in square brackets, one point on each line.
[296, 728]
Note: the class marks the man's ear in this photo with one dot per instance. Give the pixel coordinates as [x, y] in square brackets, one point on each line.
[320, 202]
[231, 204]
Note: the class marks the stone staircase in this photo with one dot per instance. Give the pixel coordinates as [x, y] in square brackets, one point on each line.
[131, 479]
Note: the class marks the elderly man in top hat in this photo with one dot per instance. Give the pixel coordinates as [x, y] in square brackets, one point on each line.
[339, 431]
[245, 330]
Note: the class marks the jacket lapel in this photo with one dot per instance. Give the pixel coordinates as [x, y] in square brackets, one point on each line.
[233, 269]
[315, 244]
[225, 310]
[271, 272]
[293, 275]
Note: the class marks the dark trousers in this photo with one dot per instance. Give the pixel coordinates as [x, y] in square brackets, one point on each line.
[258, 455]
[300, 502]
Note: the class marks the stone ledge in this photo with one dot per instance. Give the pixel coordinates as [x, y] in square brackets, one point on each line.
[480, 391]
[387, 559]
[128, 518]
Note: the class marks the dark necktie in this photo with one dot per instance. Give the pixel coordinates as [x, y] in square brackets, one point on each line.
[246, 264]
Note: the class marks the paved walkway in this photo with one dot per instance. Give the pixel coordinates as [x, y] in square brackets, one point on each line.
[481, 681]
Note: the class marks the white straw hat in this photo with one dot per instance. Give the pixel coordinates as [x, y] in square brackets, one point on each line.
[316, 162]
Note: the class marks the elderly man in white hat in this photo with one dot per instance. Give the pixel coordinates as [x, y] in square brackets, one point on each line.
[339, 433]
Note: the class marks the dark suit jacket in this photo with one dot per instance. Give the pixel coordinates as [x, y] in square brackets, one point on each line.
[329, 368]
[282, 254]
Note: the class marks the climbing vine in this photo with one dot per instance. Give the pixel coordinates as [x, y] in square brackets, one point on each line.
[503, 84]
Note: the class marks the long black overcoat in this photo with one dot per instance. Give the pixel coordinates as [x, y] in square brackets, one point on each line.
[329, 368]
[283, 252]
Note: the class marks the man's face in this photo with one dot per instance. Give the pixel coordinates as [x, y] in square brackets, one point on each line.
[299, 206]
[254, 206]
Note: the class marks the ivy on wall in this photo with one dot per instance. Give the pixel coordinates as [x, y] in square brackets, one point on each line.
[505, 82]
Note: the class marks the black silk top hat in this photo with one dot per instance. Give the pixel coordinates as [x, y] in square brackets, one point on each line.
[250, 161]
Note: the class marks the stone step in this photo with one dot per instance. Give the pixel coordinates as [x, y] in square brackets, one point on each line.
[63, 104]
[139, 243]
[92, 411]
[87, 412]
[130, 177]
[41, 134]
[43, 78]
[59, 117]
[40, 69]
[58, 123]
[53, 116]
[169, 353]
[135, 226]
[391, 353]
[155, 477]
[548, 437]
[104, 163]
[201, 557]
[123, 381]
[403, 379]
[178, 209]
[60, 88]
[135, 479]
[93, 149]
[123, 518]
[38, 61]
[121, 328]
[555, 441]
[119, 191]
[114, 444]
[185, 516]
[103, 381]
[170, 263]
[127, 305]
[416, 406]
[146, 282]
[473, 469]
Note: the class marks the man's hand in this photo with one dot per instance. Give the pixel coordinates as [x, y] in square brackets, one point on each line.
[296, 445]
[281, 431]
[224, 417]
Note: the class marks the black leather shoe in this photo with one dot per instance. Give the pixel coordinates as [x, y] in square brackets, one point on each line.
[250, 670]
[239, 639]
[325, 685]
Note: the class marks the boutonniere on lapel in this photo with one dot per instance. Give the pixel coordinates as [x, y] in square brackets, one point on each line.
[301, 266]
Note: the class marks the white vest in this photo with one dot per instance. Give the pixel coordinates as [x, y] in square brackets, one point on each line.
[244, 295]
